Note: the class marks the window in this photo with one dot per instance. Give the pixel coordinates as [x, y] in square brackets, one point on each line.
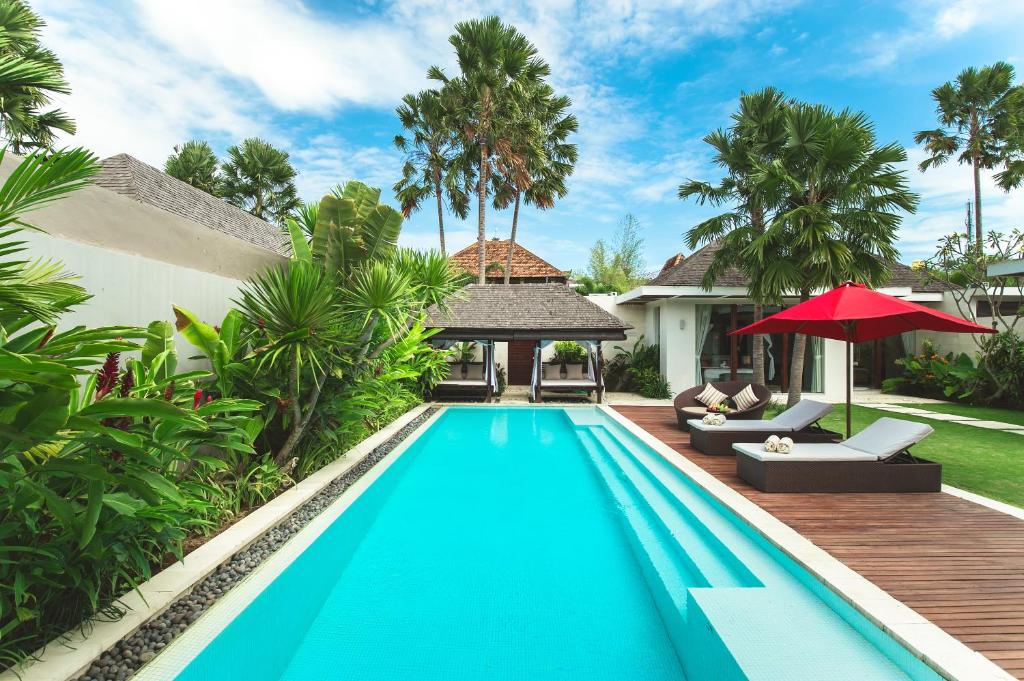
[1007, 308]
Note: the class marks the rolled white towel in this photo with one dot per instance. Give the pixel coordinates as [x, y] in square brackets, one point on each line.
[719, 419]
[785, 445]
[708, 418]
[772, 443]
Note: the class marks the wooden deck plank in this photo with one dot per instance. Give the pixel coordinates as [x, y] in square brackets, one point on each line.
[959, 564]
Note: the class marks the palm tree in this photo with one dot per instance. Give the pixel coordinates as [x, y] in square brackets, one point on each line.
[497, 64]
[540, 139]
[837, 198]
[982, 115]
[756, 134]
[432, 155]
[258, 178]
[31, 74]
[195, 163]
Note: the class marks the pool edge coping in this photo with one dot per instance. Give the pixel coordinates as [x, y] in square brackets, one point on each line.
[944, 653]
[68, 656]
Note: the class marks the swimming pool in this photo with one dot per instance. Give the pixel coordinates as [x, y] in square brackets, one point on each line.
[536, 543]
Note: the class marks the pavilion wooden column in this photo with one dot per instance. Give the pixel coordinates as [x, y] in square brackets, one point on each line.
[599, 377]
[540, 371]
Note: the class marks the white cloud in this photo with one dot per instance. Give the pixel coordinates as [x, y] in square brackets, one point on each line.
[137, 98]
[932, 22]
[945, 191]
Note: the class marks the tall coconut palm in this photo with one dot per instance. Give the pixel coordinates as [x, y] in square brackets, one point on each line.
[258, 178]
[981, 115]
[757, 134]
[31, 74]
[432, 159]
[195, 163]
[540, 139]
[497, 65]
[839, 198]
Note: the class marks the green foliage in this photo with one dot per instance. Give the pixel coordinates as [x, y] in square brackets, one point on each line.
[30, 75]
[258, 178]
[619, 266]
[998, 381]
[569, 352]
[621, 371]
[982, 119]
[650, 383]
[195, 163]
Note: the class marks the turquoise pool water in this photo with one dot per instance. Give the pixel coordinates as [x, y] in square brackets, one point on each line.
[520, 543]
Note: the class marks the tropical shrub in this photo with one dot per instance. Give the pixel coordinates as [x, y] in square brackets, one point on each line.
[650, 383]
[998, 379]
[620, 372]
[569, 352]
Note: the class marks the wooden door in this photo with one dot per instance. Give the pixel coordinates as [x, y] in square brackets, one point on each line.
[520, 362]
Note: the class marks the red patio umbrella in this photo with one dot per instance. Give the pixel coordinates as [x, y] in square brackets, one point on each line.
[854, 313]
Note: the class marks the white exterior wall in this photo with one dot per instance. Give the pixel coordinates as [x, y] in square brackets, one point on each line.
[136, 260]
[129, 290]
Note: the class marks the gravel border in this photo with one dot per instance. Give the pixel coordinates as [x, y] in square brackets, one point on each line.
[126, 657]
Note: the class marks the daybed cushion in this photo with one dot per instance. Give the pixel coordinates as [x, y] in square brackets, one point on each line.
[801, 415]
[574, 372]
[745, 399]
[888, 436]
[475, 371]
[806, 451]
[733, 426]
[711, 396]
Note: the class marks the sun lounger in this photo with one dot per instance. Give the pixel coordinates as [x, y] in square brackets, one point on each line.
[798, 422]
[875, 460]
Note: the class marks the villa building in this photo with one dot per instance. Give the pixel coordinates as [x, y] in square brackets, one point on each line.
[691, 325]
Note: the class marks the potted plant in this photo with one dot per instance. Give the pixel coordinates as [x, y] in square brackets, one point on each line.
[465, 355]
[568, 352]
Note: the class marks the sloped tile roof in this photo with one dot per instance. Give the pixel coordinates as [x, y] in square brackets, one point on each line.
[142, 182]
[526, 308]
[689, 271]
[525, 264]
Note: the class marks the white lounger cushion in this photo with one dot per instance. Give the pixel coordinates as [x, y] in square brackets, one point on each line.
[888, 436]
[737, 425]
[797, 417]
[880, 440]
[806, 451]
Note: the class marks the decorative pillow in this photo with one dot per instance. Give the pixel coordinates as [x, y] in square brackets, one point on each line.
[745, 399]
[711, 396]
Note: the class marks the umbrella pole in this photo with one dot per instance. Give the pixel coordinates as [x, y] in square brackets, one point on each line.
[849, 386]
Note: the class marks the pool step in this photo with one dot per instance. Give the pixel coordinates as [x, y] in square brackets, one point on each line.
[757, 635]
[704, 553]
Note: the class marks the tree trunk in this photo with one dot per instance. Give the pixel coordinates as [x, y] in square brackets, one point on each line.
[796, 368]
[976, 164]
[440, 210]
[512, 239]
[758, 352]
[977, 204]
[300, 417]
[481, 233]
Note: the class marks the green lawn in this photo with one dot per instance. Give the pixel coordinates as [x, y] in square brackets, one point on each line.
[986, 462]
[986, 413]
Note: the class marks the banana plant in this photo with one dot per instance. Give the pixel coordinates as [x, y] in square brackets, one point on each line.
[223, 347]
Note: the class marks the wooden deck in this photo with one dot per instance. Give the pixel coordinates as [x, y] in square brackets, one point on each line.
[959, 564]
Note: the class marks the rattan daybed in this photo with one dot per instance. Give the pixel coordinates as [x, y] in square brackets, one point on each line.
[799, 422]
[875, 460]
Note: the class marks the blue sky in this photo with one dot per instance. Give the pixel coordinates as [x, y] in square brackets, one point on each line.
[648, 80]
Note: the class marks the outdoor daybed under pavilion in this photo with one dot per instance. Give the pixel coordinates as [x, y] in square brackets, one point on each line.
[541, 313]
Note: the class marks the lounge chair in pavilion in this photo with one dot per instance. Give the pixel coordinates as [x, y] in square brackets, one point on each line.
[877, 459]
[799, 422]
